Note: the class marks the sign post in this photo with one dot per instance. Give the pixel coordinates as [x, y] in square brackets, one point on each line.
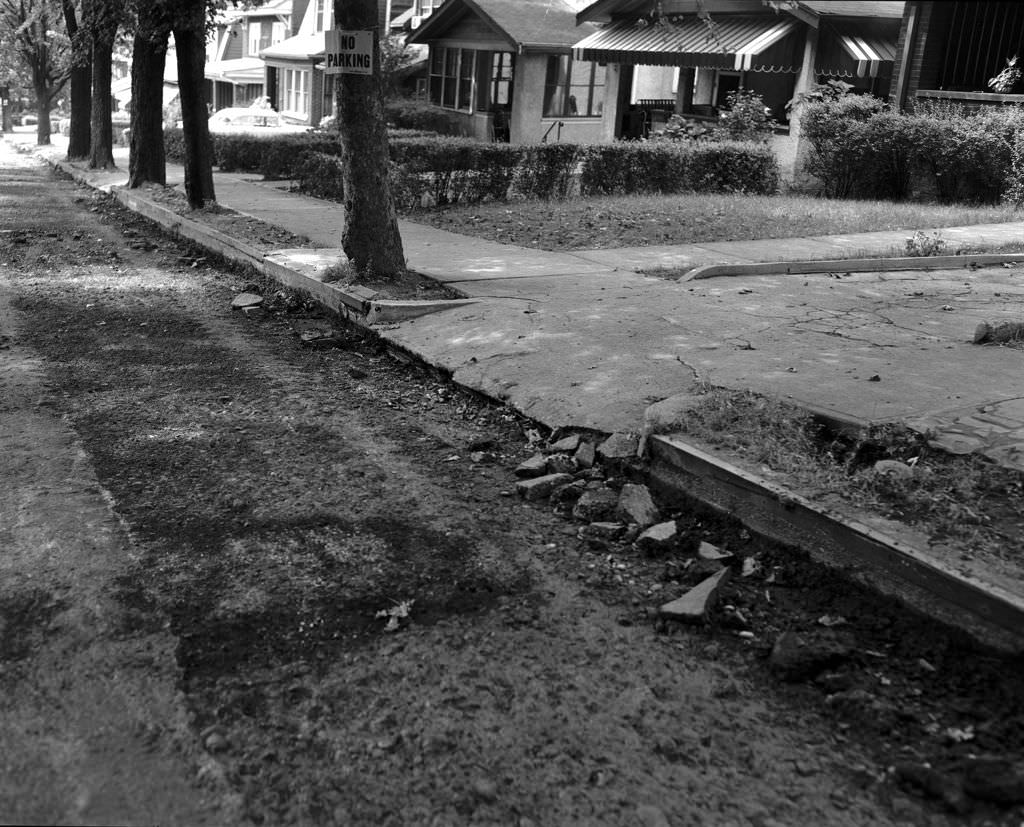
[348, 52]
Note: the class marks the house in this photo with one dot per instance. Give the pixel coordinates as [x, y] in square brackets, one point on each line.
[949, 51]
[506, 70]
[295, 80]
[235, 73]
[688, 59]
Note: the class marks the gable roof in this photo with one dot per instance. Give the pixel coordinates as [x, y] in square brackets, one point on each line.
[525, 24]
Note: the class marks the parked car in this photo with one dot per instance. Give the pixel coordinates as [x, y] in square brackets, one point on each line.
[251, 121]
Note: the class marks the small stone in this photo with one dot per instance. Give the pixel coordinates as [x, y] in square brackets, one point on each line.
[596, 505]
[215, 742]
[585, 455]
[619, 446]
[560, 464]
[540, 488]
[658, 537]
[357, 373]
[997, 780]
[485, 789]
[637, 506]
[566, 445]
[694, 606]
[894, 468]
[651, 816]
[797, 657]
[933, 783]
[605, 530]
[706, 551]
[568, 493]
[535, 466]
[254, 311]
[243, 300]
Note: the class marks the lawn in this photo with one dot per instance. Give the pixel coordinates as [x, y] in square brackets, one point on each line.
[636, 221]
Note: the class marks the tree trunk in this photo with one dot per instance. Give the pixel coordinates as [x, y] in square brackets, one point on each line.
[81, 87]
[146, 158]
[370, 234]
[43, 91]
[101, 133]
[190, 42]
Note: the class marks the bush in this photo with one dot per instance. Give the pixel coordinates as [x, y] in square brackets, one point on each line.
[841, 151]
[546, 170]
[745, 119]
[679, 166]
[416, 114]
[457, 170]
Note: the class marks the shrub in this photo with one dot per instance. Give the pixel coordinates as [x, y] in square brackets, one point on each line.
[678, 166]
[745, 119]
[681, 128]
[546, 170]
[405, 113]
[1015, 185]
[841, 147]
[457, 170]
[319, 174]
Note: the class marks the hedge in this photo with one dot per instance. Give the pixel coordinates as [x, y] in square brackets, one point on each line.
[439, 171]
[862, 149]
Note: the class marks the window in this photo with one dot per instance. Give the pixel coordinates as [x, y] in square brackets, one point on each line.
[573, 88]
[501, 78]
[295, 92]
[255, 35]
[451, 77]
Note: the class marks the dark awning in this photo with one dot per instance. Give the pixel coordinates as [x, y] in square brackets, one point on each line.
[739, 43]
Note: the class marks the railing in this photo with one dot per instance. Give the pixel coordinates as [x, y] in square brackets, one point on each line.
[558, 135]
[970, 99]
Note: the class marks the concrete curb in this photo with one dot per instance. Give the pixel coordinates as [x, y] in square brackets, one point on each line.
[891, 566]
[850, 265]
[356, 304]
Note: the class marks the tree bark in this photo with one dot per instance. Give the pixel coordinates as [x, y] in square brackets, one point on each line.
[101, 133]
[190, 42]
[81, 86]
[370, 236]
[101, 18]
[147, 162]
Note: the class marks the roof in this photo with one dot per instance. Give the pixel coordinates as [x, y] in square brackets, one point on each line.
[300, 47]
[238, 70]
[605, 10]
[854, 8]
[526, 24]
[735, 43]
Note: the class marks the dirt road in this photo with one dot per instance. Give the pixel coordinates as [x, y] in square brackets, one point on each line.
[207, 529]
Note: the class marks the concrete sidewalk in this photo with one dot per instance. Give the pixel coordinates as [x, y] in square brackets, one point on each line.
[581, 340]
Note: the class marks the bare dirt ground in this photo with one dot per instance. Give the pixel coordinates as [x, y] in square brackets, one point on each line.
[203, 519]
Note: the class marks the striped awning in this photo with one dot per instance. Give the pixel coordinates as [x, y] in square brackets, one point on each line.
[856, 55]
[727, 43]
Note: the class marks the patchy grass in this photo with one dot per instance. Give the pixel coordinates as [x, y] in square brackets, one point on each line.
[963, 500]
[637, 221]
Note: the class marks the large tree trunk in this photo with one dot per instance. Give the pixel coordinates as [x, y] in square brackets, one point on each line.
[43, 92]
[101, 133]
[190, 42]
[370, 234]
[146, 159]
[81, 87]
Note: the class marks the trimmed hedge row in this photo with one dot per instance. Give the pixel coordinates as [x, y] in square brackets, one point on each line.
[439, 170]
[455, 170]
[862, 149]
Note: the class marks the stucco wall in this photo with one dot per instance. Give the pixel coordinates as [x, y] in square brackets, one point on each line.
[528, 126]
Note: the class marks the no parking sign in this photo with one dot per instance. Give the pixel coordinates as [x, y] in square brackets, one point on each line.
[348, 53]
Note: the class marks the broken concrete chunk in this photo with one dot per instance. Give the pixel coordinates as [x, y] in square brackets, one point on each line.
[246, 300]
[535, 466]
[540, 488]
[706, 551]
[693, 607]
[605, 530]
[596, 505]
[585, 455]
[637, 506]
[658, 537]
[566, 445]
[560, 464]
[619, 446]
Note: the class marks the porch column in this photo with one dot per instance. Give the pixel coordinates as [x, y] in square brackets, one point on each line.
[791, 152]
